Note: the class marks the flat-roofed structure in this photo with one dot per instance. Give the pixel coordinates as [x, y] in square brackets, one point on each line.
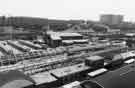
[128, 55]
[44, 79]
[79, 41]
[95, 61]
[70, 73]
[87, 47]
[65, 38]
[71, 85]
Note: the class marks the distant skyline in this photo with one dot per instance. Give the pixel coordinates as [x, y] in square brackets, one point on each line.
[68, 9]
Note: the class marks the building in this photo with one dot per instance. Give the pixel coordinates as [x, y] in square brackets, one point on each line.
[44, 79]
[80, 29]
[70, 73]
[114, 31]
[111, 19]
[56, 39]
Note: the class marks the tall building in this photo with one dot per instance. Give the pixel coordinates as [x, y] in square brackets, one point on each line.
[111, 19]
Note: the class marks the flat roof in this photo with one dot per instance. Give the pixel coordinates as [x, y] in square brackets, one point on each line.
[64, 34]
[95, 58]
[88, 46]
[70, 34]
[72, 84]
[55, 37]
[79, 40]
[118, 56]
[67, 41]
[58, 35]
[130, 34]
[44, 77]
[127, 54]
[61, 72]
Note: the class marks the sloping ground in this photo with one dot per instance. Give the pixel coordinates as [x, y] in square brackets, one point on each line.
[12, 76]
[17, 84]
[123, 77]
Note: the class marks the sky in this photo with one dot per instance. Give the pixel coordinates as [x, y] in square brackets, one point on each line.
[68, 9]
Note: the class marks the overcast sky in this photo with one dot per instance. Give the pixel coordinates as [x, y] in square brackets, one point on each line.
[68, 9]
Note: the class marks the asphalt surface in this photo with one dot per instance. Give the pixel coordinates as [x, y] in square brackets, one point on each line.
[123, 77]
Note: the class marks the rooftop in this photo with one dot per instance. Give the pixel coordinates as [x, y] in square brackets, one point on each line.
[95, 58]
[63, 34]
[61, 72]
[44, 77]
